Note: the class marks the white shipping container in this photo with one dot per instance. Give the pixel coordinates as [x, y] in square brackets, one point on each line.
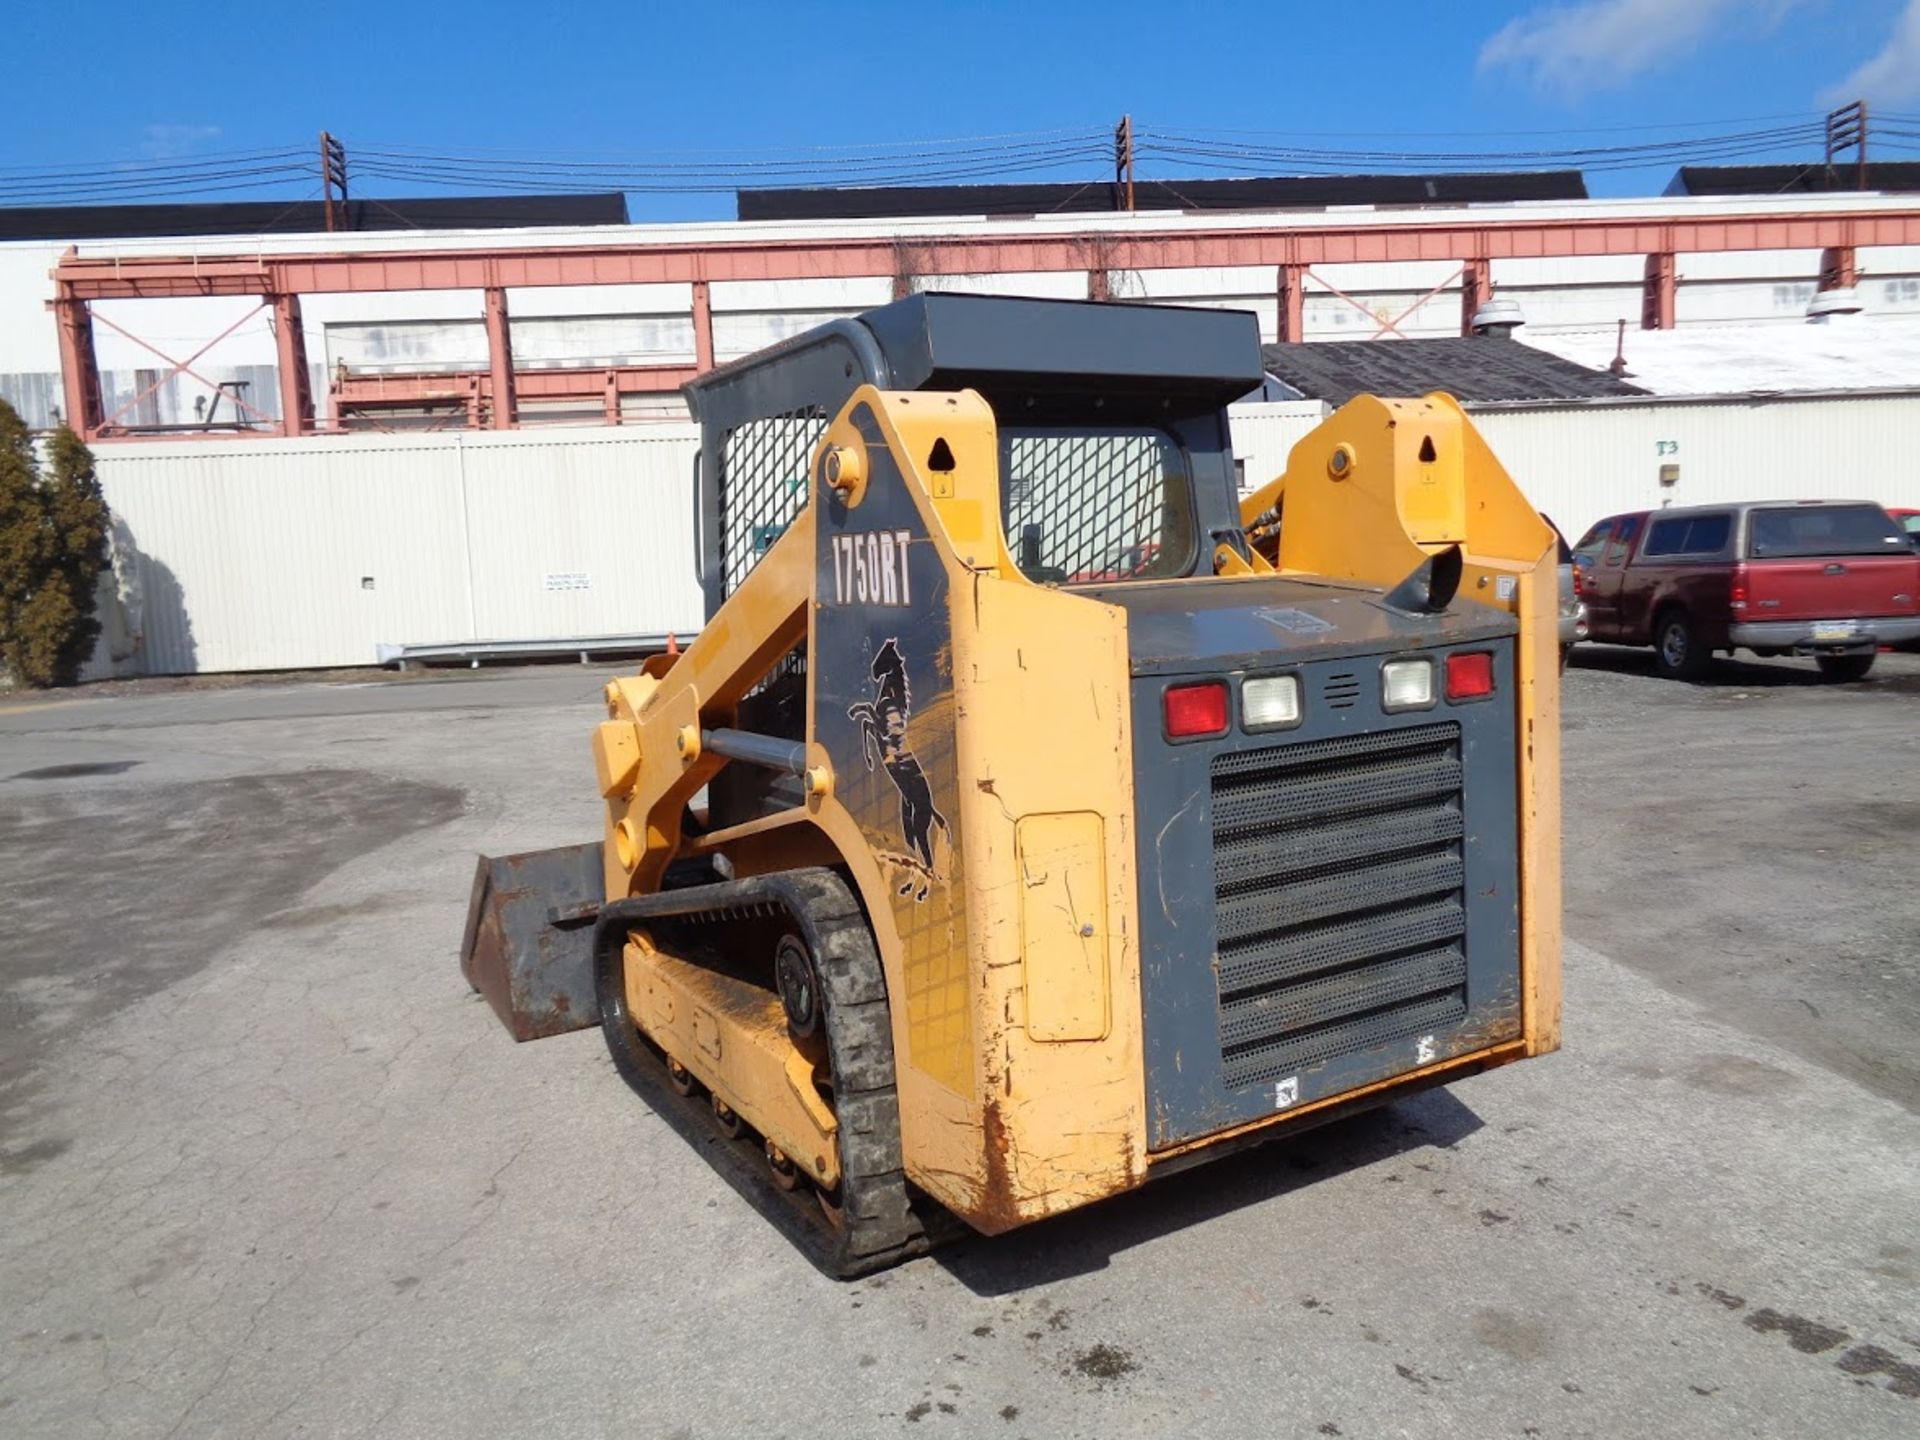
[288, 554]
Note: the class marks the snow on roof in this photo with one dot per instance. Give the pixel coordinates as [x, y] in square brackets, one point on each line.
[1864, 353]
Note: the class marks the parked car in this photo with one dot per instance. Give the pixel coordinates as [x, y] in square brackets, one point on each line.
[1573, 610]
[1834, 579]
[1908, 520]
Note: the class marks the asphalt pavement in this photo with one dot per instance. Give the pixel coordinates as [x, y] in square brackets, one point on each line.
[268, 1168]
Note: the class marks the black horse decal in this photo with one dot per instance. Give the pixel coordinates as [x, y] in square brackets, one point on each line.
[883, 736]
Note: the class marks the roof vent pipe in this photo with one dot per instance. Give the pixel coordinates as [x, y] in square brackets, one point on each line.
[1834, 307]
[1498, 319]
[1618, 368]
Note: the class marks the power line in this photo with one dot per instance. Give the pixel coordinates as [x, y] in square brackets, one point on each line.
[654, 167]
[134, 190]
[763, 151]
[1812, 117]
[1085, 151]
[467, 179]
[120, 167]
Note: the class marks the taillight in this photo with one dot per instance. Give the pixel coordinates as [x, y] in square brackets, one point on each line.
[1193, 710]
[1470, 675]
[1737, 595]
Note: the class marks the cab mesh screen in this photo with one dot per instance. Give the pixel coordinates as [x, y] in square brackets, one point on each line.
[763, 485]
[1085, 507]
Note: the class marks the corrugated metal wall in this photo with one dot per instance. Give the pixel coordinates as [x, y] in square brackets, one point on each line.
[290, 554]
[1264, 434]
[1580, 463]
[287, 554]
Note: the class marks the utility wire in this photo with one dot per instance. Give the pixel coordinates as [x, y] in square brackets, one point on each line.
[1084, 151]
[427, 175]
[917, 147]
[58, 170]
[13, 191]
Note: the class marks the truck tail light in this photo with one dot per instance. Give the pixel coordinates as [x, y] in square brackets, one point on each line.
[1470, 675]
[1193, 710]
[1737, 594]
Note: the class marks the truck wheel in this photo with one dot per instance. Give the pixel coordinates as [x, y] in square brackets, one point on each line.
[1677, 651]
[1842, 668]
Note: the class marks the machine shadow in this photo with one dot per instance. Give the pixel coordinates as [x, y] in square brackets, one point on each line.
[1086, 1240]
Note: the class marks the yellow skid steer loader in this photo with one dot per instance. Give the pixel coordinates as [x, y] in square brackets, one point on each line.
[1032, 817]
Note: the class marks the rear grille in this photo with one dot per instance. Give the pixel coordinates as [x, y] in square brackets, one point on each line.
[1338, 868]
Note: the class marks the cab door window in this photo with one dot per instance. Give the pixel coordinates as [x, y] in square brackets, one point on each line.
[1625, 530]
[1587, 552]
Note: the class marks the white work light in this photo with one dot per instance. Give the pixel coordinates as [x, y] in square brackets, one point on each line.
[1406, 685]
[1270, 702]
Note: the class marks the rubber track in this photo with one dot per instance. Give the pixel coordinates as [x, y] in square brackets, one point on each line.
[885, 1221]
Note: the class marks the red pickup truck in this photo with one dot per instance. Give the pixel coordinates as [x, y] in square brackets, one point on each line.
[1834, 579]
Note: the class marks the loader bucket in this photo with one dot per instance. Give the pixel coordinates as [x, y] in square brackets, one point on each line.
[529, 940]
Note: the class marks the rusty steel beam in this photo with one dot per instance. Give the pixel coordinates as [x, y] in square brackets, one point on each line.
[1839, 268]
[569, 384]
[1291, 252]
[585, 382]
[128, 277]
[499, 360]
[1290, 304]
[1476, 285]
[290, 358]
[79, 369]
[1658, 291]
[473, 389]
[702, 326]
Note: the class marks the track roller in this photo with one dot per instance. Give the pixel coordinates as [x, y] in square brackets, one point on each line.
[829, 973]
[785, 1175]
[680, 1078]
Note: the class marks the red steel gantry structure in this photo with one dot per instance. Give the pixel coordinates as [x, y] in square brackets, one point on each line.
[493, 396]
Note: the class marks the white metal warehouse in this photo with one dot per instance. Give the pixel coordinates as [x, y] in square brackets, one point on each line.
[265, 553]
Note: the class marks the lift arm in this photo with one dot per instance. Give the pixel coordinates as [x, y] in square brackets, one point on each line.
[1383, 487]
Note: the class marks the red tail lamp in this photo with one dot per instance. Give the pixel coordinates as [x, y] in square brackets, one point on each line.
[1193, 710]
[1470, 675]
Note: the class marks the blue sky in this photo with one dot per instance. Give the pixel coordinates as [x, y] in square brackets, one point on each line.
[110, 82]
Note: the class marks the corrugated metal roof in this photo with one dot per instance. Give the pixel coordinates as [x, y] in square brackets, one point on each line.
[1279, 192]
[1636, 209]
[1470, 369]
[1813, 178]
[275, 217]
[1861, 354]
